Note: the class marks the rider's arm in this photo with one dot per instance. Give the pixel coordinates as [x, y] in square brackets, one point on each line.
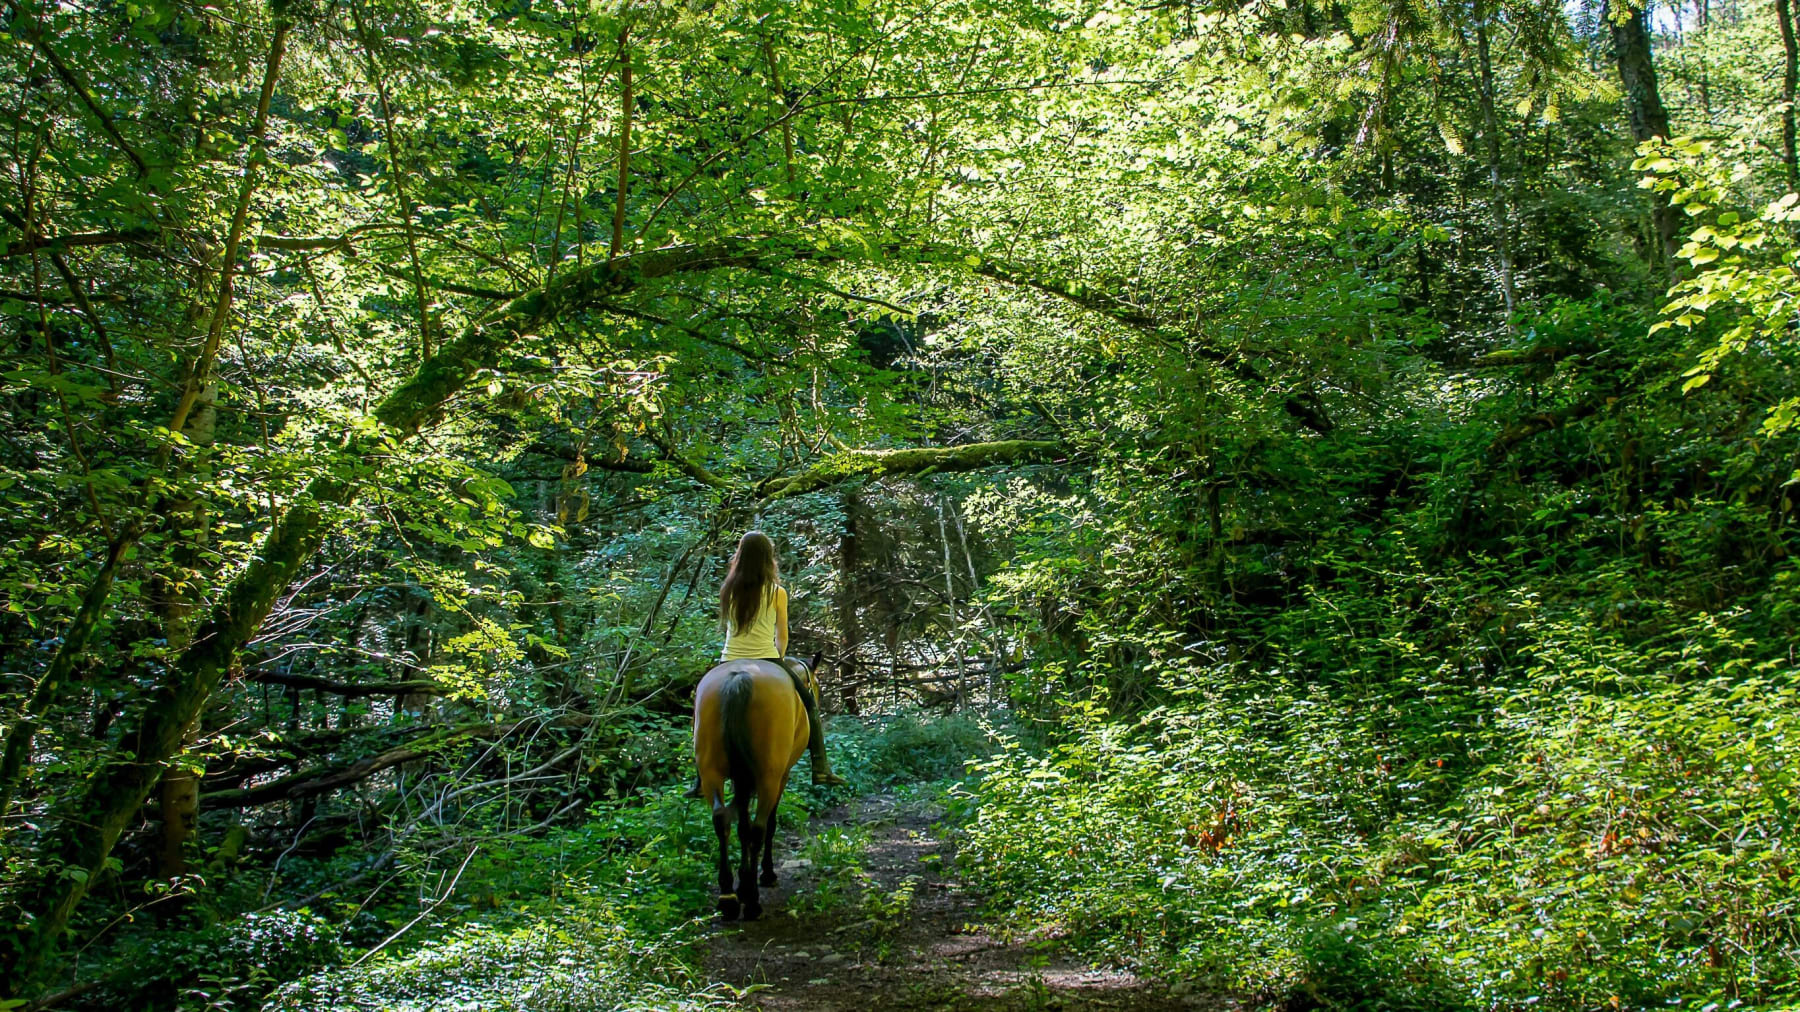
[781, 636]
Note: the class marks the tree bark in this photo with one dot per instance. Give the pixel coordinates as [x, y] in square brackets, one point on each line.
[625, 111]
[849, 627]
[1490, 129]
[1790, 71]
[1643, 103]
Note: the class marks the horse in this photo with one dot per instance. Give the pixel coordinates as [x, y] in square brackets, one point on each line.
[750, 728]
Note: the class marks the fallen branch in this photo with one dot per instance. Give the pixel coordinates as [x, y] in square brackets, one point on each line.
[1543, 354]
[423, 686]
[310, 783]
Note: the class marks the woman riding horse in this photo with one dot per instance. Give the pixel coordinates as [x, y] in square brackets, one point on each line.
[753, 611]
[754, 714]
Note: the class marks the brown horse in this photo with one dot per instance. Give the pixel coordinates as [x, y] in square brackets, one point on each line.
[750, 728]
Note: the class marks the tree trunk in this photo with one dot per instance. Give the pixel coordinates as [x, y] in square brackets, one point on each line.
[955, 627]
[415, 651]
[1649, 118]
[849, 628]
[625, 110]
[1790, 69]
[1490, 128]
[176, 593]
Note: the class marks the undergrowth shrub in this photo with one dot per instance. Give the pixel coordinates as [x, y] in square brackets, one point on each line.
[602, 915]
[910, 747]
[588, 953]
[883, 751]
[1606, 823]
[226, 965]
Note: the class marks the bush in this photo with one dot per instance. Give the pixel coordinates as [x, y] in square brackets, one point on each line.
[590, 954]
[595, 916]
[226, 965]
[1608, 825]
[906, 747]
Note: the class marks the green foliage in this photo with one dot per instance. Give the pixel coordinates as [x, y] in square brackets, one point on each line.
[1386, 612]
[835, 855]
[1611, 825]
[598, 916]
[1744, 288]
[906, 748]
[230, 965]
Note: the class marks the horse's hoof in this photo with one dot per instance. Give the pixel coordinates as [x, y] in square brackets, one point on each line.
[728, 907]
[768, 878]
[752, 911]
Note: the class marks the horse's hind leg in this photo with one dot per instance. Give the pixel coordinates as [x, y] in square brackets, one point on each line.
[768, 833]
[749, 845]
[728, 900]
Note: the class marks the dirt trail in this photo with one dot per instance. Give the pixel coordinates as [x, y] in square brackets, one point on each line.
[905, 936]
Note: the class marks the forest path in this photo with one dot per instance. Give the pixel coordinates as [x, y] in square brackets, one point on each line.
[898, 932]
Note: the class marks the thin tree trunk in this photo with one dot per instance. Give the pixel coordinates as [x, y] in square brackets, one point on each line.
[176, 599]
[950, 603]
[849, 628]
[625, 110]
[215, 332]
[1790, 70]
[787, 125]
[1704, 7]
[408, 210]
[1490, 128]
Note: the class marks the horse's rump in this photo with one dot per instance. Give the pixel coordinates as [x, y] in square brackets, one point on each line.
[749, 717]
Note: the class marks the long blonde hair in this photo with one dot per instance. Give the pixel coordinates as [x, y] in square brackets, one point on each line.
[752, 576]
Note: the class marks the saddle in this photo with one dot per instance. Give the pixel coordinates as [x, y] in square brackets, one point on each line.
[804, 682]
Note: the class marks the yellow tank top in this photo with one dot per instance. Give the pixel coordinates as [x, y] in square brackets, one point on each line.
[758, 640]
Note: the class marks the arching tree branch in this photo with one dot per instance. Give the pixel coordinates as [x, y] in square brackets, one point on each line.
[850, 464]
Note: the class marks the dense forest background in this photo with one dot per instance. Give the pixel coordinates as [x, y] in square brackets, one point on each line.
[1343, 453]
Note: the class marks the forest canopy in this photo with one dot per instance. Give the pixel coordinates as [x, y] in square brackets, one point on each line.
[1346, 454]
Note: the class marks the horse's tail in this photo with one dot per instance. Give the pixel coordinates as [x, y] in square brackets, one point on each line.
[736, 700]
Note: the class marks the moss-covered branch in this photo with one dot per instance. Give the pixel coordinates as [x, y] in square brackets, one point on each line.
[850, 464]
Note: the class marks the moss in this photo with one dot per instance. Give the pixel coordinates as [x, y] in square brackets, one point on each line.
[885, 463]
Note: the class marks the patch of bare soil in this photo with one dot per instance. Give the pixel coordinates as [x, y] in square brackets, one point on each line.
[901, 933]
